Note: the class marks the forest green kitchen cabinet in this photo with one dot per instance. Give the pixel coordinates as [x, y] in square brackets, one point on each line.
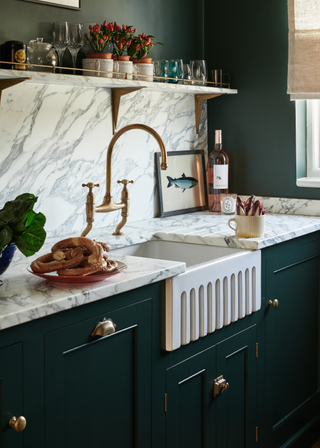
[124, 390]
[11, 394]
[211, 397]
[99, 389]
[292, 340]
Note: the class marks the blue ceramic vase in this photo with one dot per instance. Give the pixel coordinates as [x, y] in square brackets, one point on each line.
[6, 257]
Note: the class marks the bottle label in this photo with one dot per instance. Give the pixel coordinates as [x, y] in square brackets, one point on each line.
[220, 177]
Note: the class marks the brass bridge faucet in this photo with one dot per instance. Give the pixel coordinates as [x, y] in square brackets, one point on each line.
[108, 204]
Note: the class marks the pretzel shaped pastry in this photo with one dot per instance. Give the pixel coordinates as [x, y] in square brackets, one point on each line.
[111, 266]
[90, 269]
[96, 250]
[46, 263]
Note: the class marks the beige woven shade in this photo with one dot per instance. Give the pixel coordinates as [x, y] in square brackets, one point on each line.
[304, 49]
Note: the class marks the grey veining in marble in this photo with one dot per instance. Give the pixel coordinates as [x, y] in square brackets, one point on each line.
[54, 137]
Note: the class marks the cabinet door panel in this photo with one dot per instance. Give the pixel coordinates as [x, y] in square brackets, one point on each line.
[98, 391]
[292, 344]
[11, 394]
[236, 408]
[190, 406]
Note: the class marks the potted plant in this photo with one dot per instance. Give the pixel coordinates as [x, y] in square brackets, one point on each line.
[20, 227]
[122, 39]
[99, 37]
[141, 46]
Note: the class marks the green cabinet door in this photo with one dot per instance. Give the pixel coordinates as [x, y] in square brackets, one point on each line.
[292, 343]
[197, 418]
[11, 394]
[98, 390]
[237, 408]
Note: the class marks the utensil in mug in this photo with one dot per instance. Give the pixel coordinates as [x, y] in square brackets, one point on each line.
[248, 226]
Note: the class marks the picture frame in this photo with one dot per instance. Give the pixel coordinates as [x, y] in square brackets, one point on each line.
[69, 4]
[182, 187]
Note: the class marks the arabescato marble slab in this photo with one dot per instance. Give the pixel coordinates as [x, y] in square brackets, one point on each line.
[54, 138]
[25, 297]
[97, 81]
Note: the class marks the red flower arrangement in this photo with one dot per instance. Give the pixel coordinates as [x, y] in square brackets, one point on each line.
[100, 36]
[122, 38]
[141, 45]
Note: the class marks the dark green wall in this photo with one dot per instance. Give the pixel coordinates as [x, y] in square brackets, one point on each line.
[249, 40]
[176, 23]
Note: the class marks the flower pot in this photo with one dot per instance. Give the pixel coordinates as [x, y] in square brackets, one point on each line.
[6, 258]
[99, 55]
[124, 57]
[144, 61]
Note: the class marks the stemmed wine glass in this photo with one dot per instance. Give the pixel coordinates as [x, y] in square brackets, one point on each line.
[60, 39]
[76, 41]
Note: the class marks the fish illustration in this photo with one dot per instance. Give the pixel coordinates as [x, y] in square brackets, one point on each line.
[182, 182]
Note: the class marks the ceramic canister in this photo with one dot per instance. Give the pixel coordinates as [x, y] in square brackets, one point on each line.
[146, 70]
[103, 65]
[124, 69]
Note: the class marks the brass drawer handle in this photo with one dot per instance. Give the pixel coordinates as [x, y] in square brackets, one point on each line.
[18, 424]
[274, 303]
[219, 385]
[103, 328]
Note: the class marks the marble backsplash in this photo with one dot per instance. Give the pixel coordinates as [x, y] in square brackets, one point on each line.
[53, 138]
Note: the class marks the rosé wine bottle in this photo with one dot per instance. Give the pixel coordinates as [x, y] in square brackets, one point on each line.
[218, 174]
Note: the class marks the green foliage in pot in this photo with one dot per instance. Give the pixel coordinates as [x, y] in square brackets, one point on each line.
[20, 225]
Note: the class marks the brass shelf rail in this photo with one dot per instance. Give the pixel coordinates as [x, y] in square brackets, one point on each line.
[118, 92]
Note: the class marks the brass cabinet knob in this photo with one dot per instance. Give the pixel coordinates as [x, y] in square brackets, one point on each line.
[220, 385]
[103, 328]
[18, 424]
[274, 303]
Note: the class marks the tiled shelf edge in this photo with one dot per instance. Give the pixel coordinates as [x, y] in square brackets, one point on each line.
[109, 83]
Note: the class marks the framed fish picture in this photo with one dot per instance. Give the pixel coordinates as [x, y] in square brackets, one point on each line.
[182, 186]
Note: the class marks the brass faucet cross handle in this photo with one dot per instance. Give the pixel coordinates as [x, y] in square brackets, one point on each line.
[90, 207]
[125, 200]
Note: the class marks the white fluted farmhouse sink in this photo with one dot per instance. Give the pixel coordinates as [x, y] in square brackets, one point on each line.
[220, 286]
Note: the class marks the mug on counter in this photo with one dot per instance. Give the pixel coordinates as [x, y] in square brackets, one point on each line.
[248, 226]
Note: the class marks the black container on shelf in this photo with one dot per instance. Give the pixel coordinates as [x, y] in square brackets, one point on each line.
[13, 51]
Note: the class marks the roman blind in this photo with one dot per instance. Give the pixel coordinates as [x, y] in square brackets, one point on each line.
[304, 49]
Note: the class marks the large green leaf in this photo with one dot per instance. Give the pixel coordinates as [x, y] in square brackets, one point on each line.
[19, 224]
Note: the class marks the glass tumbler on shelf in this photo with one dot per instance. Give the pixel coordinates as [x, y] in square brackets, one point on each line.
[199, 73]
[76, 41]
[60, 39]
[160, 70]
[187, 73]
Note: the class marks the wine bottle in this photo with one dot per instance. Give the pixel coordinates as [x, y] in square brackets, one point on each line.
[218, 174]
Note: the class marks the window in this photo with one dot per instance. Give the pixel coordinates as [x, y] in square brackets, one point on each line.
[308, 143]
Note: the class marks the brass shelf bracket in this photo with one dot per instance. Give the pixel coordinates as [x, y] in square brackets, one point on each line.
[116, 94]
[10, 82]
[198, 99]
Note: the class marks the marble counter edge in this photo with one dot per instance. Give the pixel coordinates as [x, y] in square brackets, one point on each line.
[32, 297]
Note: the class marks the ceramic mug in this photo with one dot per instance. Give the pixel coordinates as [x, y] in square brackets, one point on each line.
[248, 226]
[105, 65]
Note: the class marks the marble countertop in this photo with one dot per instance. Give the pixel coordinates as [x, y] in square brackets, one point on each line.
[24, 297]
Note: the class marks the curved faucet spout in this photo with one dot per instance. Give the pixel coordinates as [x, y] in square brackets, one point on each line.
[108, 204]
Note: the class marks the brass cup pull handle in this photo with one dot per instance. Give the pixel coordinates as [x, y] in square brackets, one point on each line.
[274, 303]
[18, 423]
[103, 328]
[220, 385]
